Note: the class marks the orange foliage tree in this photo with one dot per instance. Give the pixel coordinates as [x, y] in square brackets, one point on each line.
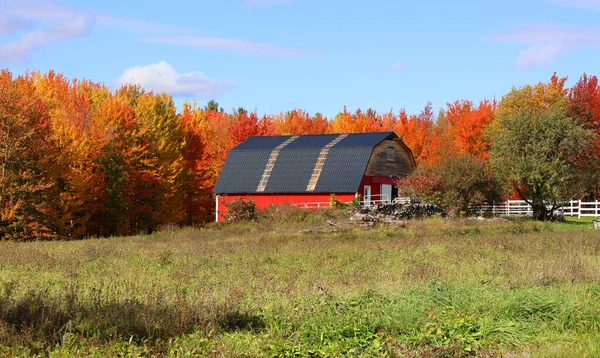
[79, 159]
[468, 125]
[415, 131]
[298, 121]
[24, 153]
[74, 195]
[345, 122]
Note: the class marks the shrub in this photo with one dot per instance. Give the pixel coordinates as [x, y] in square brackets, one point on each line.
[457, 185]
[241, 210]
[333, 202]
[424, 183]
[355, 203]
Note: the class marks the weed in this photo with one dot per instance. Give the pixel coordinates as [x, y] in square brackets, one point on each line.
[436, 288]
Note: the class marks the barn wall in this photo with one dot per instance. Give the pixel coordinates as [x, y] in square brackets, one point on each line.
[379, 165]
[264, 201]
[375, 188]
[375, 183]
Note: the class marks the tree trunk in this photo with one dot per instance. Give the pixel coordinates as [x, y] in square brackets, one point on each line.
[540, 212]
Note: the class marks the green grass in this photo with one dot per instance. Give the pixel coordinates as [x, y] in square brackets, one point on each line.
[283, 287]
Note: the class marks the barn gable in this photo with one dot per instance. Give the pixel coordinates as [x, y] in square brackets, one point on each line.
[302, 164]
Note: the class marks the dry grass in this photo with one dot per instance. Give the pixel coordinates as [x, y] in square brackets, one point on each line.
[263, 289]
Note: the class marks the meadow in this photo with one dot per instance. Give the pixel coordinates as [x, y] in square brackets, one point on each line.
[289, 286]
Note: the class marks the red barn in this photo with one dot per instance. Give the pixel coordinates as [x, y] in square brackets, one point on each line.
[307, 169]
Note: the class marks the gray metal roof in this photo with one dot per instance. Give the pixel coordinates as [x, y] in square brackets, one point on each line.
[342, 171]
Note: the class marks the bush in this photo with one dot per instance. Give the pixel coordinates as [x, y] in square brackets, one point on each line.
[241, 210]
[458, 185]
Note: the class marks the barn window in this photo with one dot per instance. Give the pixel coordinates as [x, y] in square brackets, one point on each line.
[390, 154]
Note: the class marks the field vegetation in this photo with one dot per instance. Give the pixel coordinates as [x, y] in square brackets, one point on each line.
[282, 287]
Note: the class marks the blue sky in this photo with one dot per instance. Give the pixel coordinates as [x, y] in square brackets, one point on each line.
[276, 55]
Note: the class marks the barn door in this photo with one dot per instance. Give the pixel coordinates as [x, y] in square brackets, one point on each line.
[386, 192]
[367, 196]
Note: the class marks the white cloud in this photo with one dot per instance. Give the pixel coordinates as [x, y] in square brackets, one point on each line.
[140, 26]
[583, 4]
[543, 54]
[39, 10]
[398, 66]
[55, 23]
[162, 77]
[546, 42]
[8, 25]
[19, 49]
[61, 22]
[536, 33]
[266, 2]
[233, 45]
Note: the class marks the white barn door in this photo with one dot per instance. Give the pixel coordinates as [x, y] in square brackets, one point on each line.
[386, 192]
[367, 196]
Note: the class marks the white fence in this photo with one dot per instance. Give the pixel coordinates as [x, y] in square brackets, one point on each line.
[576, 208]
[581, 208]
[375, 199]
[521, 208]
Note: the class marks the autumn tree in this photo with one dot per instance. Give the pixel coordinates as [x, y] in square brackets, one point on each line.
[440, 144]
[388, 122]
[415, 131]
[122, 164]
[300, 122]
[468, 124]
[358, 122]
[584, 106]
[74, 194]
[24, 152]
[160, 135]
[541, 96]
[537, 153]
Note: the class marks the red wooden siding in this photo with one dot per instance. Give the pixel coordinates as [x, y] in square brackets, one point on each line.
[375, 183]
[264, 201]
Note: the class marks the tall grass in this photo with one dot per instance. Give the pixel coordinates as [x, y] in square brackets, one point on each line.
[273, 288]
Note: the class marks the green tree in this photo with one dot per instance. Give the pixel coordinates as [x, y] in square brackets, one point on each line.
[213, 106]
[539, 153]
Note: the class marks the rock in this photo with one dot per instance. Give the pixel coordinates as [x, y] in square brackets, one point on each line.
[395, 212]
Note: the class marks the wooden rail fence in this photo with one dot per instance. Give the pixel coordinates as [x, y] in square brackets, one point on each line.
[576, 208]
[521, 208]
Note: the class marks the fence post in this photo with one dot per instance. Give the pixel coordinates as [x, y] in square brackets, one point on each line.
[571, 208]
[579, 211]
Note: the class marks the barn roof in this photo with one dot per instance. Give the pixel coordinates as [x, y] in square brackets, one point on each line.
[286, 164]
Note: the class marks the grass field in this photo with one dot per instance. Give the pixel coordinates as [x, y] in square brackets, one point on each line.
[284, 288]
